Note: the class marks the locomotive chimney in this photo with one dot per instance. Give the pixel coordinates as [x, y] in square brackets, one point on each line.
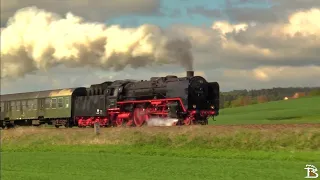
[190, 73]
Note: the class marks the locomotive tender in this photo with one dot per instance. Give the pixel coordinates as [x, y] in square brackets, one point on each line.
[190, 100]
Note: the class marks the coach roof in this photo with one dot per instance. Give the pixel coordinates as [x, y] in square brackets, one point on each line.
[37, 94]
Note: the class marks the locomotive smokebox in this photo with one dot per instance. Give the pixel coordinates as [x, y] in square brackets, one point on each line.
[190, 73]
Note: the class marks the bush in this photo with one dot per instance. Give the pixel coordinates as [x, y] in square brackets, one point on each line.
[315, 92]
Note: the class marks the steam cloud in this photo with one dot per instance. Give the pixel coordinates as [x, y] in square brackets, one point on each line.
[161, 121]
[37, 40]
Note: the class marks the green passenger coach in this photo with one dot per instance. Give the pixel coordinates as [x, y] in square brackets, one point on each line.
[35, 108]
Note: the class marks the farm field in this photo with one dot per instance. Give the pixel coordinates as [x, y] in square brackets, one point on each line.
[251, 151]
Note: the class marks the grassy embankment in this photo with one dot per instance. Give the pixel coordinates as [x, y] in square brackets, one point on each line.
[198, 152]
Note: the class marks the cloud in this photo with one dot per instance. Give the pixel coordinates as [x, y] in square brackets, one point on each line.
[248, 14]
[38, 40]
[267, 73]
[237, 55]
[94, 10]
[259, 55]
[247, 46]
[267, 77]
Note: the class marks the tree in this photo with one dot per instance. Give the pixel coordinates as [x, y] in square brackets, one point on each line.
[241, 101]
[315, 92]
[262, 99]
[237, 98]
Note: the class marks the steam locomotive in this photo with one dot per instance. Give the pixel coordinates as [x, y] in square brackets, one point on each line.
[189, 100]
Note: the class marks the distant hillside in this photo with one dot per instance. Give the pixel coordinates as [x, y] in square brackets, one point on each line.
[238, 98]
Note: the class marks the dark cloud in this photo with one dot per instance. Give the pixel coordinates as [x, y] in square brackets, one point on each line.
[247, 14]
[93, 10]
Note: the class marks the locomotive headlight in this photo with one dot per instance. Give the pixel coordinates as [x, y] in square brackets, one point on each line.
[194, 106]
[212, 107]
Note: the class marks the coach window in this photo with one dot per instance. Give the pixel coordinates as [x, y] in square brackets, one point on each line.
[48, 103]
[54, 103]
[66, 101]
[13, 106]
[24, 105]
[2, 107]
[35, 104]
[30, 104]
[60, 102]
[18, 106]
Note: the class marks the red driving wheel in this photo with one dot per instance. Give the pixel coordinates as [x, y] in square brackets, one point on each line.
[119, 122]
[187, 121]
[140, 116]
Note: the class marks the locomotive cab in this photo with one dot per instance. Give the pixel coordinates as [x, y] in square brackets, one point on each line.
[115, 92]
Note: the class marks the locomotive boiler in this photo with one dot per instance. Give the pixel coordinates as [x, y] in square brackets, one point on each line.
[189, 100]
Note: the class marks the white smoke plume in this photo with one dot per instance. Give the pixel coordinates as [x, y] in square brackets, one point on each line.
[35, 39]
[161, 121]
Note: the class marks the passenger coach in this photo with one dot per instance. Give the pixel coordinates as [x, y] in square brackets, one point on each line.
[53, 107]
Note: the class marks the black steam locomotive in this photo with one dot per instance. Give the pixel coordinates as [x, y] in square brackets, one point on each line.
[188, 100]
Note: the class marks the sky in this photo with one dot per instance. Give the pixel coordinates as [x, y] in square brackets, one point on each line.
[242, 44]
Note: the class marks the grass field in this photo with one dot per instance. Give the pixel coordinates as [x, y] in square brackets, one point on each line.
[165, 153]
[303, 110]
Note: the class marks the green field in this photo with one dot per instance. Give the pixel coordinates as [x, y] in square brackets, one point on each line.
[165, 153]
[303, 110]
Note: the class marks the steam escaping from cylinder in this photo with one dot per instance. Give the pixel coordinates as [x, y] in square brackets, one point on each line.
[35, 39]
[161, 121]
